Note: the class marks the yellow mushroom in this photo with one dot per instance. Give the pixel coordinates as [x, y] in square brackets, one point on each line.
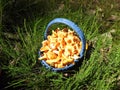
[61, 48]
[51, 55]
[44, 57]
[44, 48]
[86, 46]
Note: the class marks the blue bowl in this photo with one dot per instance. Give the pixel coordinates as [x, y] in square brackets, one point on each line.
[78, 32]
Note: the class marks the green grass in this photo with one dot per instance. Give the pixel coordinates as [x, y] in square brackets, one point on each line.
[100, 71]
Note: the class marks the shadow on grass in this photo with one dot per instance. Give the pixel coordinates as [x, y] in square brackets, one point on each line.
[15, 11]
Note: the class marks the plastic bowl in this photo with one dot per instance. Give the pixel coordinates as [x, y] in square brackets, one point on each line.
[80, 35]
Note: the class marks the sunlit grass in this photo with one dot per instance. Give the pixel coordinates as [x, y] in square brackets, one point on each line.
[28, 72]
